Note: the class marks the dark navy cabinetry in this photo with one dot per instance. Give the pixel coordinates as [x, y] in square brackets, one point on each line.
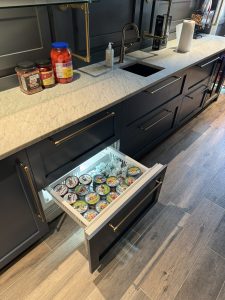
[139, 122]
[155, 113]
[22, 221]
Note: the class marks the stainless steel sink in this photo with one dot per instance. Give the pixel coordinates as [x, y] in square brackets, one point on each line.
[142, 69]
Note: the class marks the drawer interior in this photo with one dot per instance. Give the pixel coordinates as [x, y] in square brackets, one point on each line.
[108, 156]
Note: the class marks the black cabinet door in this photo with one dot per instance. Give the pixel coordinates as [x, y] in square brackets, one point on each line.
[192, 103]
[140, 136]
[138, 106]
[21, 219]
[25, 35]
[201, 72]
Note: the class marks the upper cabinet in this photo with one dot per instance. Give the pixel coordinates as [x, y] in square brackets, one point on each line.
[19, 3]
[25, 35]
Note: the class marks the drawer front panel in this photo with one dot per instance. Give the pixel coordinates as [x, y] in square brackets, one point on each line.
[54, 156]
[148, 129]
[202, 71]
[101, 242]
[139, 105]
[192, 103]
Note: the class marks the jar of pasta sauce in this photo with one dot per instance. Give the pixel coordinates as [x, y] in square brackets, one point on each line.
[29, 77]
[62, 62]
[46, 73]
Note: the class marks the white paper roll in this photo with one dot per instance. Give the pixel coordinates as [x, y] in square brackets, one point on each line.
[186, 36]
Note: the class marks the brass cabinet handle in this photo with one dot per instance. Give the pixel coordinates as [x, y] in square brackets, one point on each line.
[210, 62]
[27, 173]
[166, 85]
[155, 123]
[72, 135]
[116, 227]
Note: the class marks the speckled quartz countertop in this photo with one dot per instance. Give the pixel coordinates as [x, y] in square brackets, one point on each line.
[25, 120]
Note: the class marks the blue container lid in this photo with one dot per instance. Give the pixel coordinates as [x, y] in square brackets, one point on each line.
[60, 45]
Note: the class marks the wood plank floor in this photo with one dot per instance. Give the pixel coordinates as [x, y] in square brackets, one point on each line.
[176, 252]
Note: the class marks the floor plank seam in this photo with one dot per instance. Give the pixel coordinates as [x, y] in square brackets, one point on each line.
[215, 252]
[3, 290]
[221, 207]
[153, 221]
[194, 266]
[50, 248]
[145, 294]
[223, 286]
[177, 230]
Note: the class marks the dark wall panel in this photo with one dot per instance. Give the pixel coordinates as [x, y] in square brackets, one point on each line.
[180, 10]
[107, 19]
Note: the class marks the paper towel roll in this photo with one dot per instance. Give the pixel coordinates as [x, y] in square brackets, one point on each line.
[186, 36]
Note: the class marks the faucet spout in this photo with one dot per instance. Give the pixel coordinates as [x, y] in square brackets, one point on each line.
[123, 41]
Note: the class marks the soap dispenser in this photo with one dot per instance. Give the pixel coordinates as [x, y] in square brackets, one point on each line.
[109, 56]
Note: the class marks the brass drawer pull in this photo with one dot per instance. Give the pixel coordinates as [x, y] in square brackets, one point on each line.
[210, 62]
[72, 135]
[115, 228]
[27, 173]
[155, 123]
[166, 85]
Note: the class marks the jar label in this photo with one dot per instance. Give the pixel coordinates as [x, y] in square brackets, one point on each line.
[47, 78]
[31, 81]
[64, 70]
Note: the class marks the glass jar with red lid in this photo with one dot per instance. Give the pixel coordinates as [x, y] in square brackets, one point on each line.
[62, 62]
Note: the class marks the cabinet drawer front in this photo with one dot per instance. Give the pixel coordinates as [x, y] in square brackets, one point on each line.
[143, 103]
[202, 71]
[191, 103]
[53, 157]
[110, 224]
[140, 202]
[148, 129]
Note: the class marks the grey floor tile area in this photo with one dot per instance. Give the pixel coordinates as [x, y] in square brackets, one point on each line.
[207, 277]
[176, 252]
[217, 242]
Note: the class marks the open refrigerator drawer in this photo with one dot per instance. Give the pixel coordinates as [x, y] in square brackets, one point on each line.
[115, 204]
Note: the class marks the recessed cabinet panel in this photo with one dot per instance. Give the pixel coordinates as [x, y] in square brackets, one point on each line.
[143, 103]
[146, 131]
[18, 3]
[20, 222]
[25, 35]
[192, 103]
